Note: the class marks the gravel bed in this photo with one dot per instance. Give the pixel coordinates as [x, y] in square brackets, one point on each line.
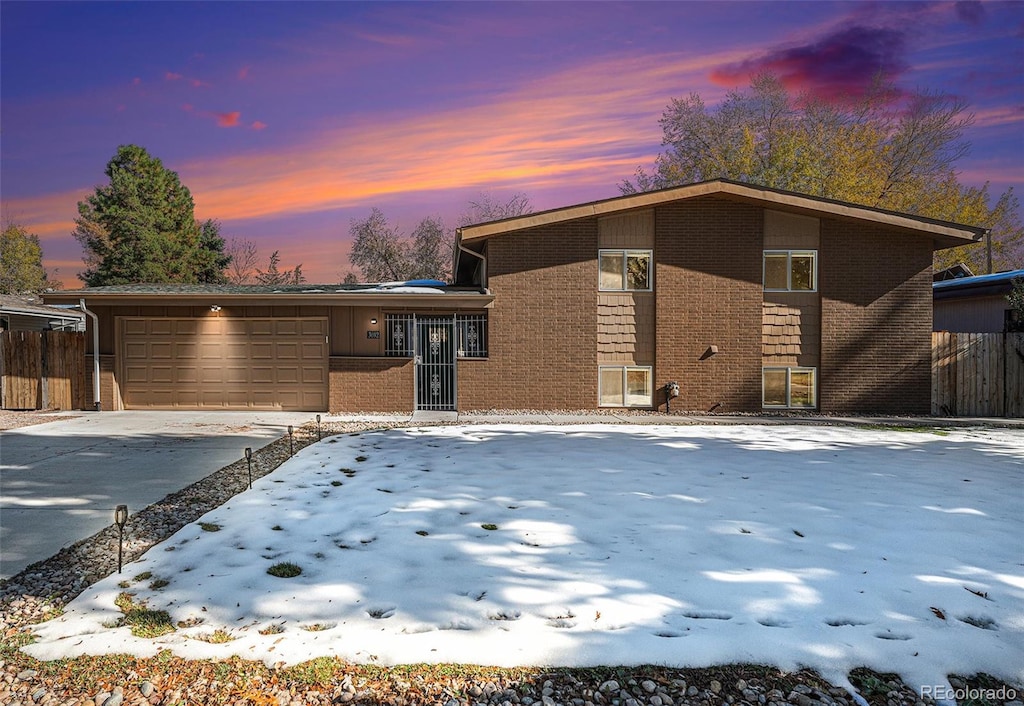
[42, 589]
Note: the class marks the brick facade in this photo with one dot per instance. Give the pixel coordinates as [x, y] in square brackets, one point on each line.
[371, 385]
[543, 323]
[876, 319]
[708, 288]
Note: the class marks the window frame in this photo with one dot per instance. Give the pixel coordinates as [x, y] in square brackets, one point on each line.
[789, 370]
[813, 254]
[625, 369]
[625, 253]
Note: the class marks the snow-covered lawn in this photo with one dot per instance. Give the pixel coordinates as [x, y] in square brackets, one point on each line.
[824, 547]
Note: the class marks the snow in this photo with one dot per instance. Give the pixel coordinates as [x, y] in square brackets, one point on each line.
[796, 546]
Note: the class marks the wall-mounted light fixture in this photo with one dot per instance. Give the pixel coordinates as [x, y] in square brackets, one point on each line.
[215, 307]
[373, 321]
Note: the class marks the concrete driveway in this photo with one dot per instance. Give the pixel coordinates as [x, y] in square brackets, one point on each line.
[60, 481]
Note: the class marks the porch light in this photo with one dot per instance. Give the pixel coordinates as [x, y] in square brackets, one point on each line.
[373, 321]
[120, 519]
[215, 307]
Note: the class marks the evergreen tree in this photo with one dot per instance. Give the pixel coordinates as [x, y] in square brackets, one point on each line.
[141, 227]
[21, 262]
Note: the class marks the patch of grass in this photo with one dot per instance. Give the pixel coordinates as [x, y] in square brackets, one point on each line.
[285, 570]
[277, 528]
[489, 526]
[190, 623]
[274, 629]
[143, 576]
[158, 584]
[124, 584]
[209, 527]
[422, 533]
[317, 627]
[322, 670]
[360, 459]
[336, 483]
[143, 621]
[217, 637]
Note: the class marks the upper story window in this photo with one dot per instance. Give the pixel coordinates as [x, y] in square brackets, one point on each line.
[790, 270]
[625, 270]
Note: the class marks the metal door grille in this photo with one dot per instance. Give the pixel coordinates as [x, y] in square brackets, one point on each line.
[435, 363]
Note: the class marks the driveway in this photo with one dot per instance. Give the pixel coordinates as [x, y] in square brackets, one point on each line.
[60, 481]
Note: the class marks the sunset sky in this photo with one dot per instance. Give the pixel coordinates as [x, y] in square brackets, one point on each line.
[288, 120]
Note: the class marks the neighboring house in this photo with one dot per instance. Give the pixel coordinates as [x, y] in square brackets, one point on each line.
[976, 304]
[953, 272]
[28, 313]
[749, 298]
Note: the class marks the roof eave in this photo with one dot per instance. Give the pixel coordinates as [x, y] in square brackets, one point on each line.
[398, 299]
[944, 234]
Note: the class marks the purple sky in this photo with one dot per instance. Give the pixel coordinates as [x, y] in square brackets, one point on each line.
[288, 120]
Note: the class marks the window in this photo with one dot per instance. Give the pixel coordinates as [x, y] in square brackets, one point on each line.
[472, 335]
[790, 270]
[399, 332]
[625, 270]
[622, 386]
[788, 387]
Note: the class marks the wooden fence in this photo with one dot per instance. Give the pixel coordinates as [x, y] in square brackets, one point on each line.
[978, 374]
[42, 370]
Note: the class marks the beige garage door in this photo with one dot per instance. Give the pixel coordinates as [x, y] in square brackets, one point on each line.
[219, 363]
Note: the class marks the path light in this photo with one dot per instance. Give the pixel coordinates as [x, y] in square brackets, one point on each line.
[248, 460]
[120, 518]
[291, 445]
[319, 437]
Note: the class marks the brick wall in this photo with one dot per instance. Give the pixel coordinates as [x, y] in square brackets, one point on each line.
[709, 293]
[543, 324]
[876, 317]
[110, 393]
[371, 385]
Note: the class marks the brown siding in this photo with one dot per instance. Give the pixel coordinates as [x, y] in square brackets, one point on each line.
[371, 385]
[876, 313]
[543, 324]
[708, 283]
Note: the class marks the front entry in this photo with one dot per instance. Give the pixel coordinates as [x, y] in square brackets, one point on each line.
[435, 363]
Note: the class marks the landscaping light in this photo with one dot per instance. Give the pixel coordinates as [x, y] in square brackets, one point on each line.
[319, 437]
[120, 518]
[248, 460]
[291, 444]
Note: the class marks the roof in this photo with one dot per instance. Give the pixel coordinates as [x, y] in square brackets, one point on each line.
[978, 286]
[412, 292]
[30, 306]
[944, 233]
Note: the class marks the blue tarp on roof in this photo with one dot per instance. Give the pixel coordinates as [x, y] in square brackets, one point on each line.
[979, 280]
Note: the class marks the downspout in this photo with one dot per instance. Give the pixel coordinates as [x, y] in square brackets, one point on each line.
[483, 260]
[95, 355]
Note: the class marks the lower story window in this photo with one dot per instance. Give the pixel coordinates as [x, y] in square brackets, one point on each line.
[624, 386]
[789, 387]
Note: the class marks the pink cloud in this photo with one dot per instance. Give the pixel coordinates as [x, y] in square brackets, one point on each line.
[243, 73]
[187, 107]
[258, 125]
[840, 64]
[171, 76]
[228, 119]
[197, 83]
[136, 81]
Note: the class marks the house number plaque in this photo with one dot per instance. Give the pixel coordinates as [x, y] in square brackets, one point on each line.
[373, 334]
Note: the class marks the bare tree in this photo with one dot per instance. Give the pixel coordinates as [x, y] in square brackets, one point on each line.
[273, 275]
[244, 257]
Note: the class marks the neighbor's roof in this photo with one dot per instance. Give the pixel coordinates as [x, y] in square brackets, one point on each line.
[944, 233]
[30, 306]
[407, 293]
[997, 283]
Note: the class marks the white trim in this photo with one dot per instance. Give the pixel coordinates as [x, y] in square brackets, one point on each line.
[789, 370]
[625, 394]
[789, 269]
[626, 252]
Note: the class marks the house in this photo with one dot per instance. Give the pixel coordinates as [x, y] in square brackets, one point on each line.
[29, 313]
[747, 298]
[976, 304]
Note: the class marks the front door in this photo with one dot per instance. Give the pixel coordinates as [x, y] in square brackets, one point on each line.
[435, 363]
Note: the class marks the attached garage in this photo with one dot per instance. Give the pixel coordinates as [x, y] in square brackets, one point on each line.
[221, 363]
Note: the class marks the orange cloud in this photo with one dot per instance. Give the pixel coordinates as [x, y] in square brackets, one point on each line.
[258, 125]
[589, 125]
[228, 119]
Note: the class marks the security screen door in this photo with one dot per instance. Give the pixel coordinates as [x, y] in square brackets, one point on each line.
[435, 363]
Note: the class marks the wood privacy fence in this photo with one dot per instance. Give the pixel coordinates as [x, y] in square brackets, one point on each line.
[978, 374]
[42, 370]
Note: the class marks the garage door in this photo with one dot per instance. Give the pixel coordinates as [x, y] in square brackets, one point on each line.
[219, 363]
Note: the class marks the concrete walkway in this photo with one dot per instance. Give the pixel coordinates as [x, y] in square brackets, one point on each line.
[60, 481]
